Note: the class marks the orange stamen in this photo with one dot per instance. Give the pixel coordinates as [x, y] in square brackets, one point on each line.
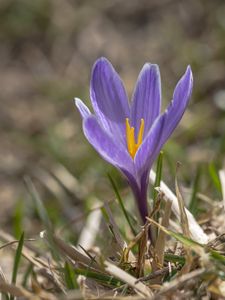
[132, 146]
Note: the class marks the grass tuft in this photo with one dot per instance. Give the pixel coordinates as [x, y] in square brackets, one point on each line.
[17, 261]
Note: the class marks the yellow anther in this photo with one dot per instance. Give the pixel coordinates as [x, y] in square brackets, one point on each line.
[130, 137]
[132, 146]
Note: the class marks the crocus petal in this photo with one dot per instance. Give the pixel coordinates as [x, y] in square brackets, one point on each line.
[176, 109]
[149, 149]
[146, 99]
[143, 161]
[109, 99]
[105, 145]
[83, 109]
[164, 125]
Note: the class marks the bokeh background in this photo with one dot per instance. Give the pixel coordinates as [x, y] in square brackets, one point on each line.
[47, 49]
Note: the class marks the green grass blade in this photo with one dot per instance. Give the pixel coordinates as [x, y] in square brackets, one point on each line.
[18, 218]
[217, 256]
[70, 277]
[193, 206]
[5, 296]
[169, 257]
[215, 178]
[107, 220]
[178, 236]
[17, 261]
[121, 204]
[42, 213]
[184, 240]
[27, 274]
[103, 278]
[158, 177]
[192, 244]
[158, 174]
[104, 214]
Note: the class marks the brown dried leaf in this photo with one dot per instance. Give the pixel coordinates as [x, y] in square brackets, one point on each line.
[139, 287]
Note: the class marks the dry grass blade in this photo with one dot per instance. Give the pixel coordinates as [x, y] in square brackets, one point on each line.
[16, 291]
[53, 277]
[160, 242]
[39, 292]
[73, 295]
[135, 241]
[74, 254]
[68, 180]
[157, 273]
[119, 240]
[142, 249]
[189, 243]
[50, 183]
[139, 287]
[15, 242]
[90, 229]
[180, 281]
[2, 277]
[184, 225]
[183, 216]
[43, 266]
[26, 252]
[81, 216]
[196, 231]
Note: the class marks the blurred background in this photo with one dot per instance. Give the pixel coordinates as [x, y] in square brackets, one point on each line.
[47, 49]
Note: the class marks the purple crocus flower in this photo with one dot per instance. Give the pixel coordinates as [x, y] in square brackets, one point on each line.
[131, 135]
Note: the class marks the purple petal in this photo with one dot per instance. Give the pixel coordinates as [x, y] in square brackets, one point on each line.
[146, 100]
[83, 109]
[176, 109]
[164, 125]
[109, 99]
[150, 148]
[105, 145]
[143, 161]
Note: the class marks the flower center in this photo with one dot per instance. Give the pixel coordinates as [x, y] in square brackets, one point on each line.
[132, 146]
